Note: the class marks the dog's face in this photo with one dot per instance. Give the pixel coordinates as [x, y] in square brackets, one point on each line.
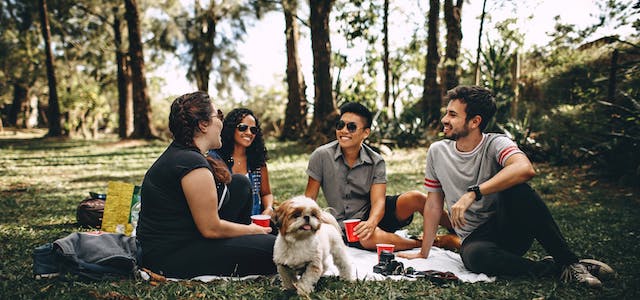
[302, 245]
[299, 217]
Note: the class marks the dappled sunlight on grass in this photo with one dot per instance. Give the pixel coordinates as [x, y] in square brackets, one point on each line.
[43, 180]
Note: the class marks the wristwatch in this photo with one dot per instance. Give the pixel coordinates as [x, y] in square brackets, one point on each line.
[476, 190]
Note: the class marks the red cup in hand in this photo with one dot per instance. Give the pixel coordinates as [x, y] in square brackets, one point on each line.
[262, 220]
[348, 227]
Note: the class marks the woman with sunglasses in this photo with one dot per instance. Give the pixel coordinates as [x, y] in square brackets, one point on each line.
[191, 220]
[244, 152]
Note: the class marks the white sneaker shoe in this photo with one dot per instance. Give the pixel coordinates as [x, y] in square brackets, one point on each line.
[598, 269]
[577, 272]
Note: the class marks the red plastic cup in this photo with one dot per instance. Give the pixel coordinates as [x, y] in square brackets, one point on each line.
[384, 247]
[348, 227]
[262, 220]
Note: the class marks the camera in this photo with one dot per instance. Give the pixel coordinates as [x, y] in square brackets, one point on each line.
[388, 265]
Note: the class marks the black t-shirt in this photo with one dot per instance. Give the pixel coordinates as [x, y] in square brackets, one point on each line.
[165, 219]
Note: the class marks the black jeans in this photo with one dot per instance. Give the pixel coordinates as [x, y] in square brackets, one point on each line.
[238, 256]
[496, 247]
[237, 208]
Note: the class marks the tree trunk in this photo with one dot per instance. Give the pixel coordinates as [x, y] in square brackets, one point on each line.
[141, 106]
[53, 114]
[515, 86]
[432, 94]
[611, 91]
[477, 66]
[295, 122]
[385, 58]
[125, 100]
[202, 47]
[324, 113]
[20, 92]
[452, 18]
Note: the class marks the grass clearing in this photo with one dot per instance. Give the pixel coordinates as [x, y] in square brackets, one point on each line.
[43, 180]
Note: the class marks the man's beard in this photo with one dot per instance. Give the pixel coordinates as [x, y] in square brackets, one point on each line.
[457, 135]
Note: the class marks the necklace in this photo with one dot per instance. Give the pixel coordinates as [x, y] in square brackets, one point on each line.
[236, 164]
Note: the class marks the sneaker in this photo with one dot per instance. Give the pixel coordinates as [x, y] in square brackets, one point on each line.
[577, 272]
[598, 269]
[548, 258]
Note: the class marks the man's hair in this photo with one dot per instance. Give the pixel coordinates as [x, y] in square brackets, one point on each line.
[479, 100]
[358, 109]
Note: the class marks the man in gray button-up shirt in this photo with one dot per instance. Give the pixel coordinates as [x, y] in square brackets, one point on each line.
[354, 181]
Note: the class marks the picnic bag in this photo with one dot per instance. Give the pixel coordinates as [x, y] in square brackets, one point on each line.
[90, 210]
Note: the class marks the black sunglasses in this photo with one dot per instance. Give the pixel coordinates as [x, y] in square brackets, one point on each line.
[243, 127]
[351, 126]
[220, 115]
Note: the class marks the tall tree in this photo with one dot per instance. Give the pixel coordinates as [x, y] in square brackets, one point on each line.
[202, 46]
[19, 69]
[324, 107]
[295, 122]
[432, 93]
[53, 112]
[125, 89]
[452, 18]
[141, 105]
[212, 49]
[477, 66]
[89, 92]
[385, 57]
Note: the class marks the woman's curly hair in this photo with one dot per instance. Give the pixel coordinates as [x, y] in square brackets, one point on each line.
[256, 153]
[186, 112]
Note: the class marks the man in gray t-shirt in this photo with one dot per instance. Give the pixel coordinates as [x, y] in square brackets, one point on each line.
[353, 179]
[482, 179]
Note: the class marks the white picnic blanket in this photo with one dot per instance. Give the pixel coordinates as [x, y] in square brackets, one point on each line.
[363, 262]
[439, 260]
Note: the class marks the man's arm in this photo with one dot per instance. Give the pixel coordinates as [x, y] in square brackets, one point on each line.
[365, 229]
[517, 170]
[313, 188]
[432, 212]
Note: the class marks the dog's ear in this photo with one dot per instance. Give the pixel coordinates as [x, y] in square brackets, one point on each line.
[275, 219]
[279, 213]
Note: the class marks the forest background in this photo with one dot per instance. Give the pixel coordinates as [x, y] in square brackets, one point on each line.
[80, 69]
[84, 99]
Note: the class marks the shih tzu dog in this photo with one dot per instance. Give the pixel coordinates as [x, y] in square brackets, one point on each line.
[307, 237]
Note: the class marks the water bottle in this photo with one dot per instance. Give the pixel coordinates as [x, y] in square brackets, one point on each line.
[135, 213]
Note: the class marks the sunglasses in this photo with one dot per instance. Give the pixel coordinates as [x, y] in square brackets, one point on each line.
[243, 127]
[220, 115]
[351, 126]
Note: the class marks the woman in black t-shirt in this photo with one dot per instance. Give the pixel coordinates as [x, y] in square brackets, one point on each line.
[195, 217]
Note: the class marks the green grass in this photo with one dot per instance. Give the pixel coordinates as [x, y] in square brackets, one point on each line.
[42, 181]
